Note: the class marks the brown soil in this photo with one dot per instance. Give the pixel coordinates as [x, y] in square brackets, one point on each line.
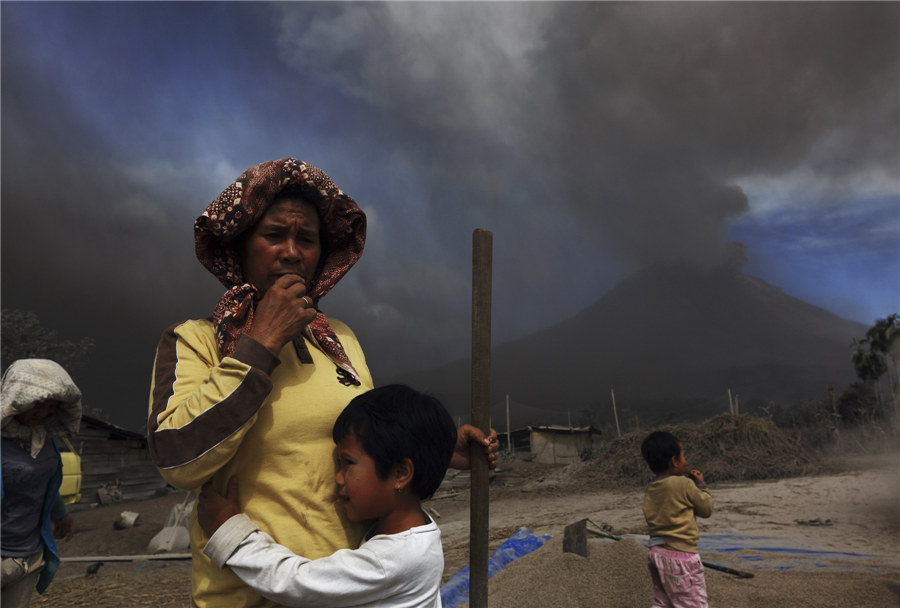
[126, 583]
[851, 509]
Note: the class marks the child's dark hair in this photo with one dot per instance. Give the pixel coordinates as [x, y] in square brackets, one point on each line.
[395, 422]
[658, 449]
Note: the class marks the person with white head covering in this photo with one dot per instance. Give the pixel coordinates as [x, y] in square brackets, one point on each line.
[38, 402]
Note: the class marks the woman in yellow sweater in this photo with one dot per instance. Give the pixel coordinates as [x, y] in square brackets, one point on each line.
[254, 390]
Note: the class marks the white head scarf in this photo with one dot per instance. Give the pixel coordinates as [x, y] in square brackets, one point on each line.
[29, 382]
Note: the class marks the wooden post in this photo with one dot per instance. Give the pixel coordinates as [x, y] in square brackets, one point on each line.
[730, 403]
[575, 538]
[509, 446]
[482, 241]
[615, 413]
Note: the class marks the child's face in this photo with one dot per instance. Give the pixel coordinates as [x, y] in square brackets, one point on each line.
[679, 464]
[365, 495]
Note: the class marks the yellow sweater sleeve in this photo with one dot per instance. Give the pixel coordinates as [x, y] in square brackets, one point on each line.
[201, 405]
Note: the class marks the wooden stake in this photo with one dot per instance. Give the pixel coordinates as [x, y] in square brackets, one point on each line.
[615, 413]
[482, 241]
[126, 558]
[509, 448]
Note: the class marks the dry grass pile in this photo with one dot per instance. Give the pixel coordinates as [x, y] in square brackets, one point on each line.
[723, 448]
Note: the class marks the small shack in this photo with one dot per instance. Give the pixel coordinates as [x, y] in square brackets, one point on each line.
[115, 460]
[552, 444]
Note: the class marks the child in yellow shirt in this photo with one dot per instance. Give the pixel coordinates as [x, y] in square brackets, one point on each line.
[671, 503]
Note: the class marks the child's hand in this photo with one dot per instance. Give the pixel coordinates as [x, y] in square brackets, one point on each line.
[697, 476]
[213, 509]
[468, 434]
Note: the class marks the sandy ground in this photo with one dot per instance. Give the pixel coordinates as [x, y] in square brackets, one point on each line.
[842, 529]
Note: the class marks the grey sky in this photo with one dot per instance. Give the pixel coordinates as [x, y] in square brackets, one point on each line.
[591, 138]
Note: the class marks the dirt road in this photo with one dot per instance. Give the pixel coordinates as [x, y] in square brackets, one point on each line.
[851, 512]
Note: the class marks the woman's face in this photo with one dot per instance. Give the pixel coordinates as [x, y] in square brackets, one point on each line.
[284, 241]
[39, 413]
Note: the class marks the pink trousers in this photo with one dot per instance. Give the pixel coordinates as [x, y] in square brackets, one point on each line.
[678, 579]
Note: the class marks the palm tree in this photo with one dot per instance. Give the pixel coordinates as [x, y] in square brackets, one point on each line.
[871, 354]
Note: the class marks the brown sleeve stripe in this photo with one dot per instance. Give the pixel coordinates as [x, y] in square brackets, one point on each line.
[163, 378]
[173, 447]
[249, 351]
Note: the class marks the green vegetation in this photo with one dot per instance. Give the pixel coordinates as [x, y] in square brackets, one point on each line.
[865, 417]
[876, 358]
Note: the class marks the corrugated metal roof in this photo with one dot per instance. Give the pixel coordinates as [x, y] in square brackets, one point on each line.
[559, 428]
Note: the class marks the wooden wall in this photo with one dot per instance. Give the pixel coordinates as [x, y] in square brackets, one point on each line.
[110, 455]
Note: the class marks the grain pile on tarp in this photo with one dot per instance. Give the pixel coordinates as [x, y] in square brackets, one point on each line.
[723, 448]
[614, 575]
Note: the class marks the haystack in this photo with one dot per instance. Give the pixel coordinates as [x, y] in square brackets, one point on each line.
[724, 448]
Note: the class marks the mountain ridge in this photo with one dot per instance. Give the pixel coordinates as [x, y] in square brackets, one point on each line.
[671, 341]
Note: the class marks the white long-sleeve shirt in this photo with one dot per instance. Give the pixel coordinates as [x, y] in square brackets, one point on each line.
[400, 570]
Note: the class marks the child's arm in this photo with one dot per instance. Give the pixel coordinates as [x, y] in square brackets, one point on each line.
[700, 496]
[344, 578]
[377, 572]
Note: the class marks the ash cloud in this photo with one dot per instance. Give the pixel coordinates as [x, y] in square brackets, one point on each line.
[638, 119]
[598, 138]
[591, 138]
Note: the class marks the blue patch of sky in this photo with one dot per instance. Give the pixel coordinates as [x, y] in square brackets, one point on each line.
[195, 85]
[844, 258]
[172, 76]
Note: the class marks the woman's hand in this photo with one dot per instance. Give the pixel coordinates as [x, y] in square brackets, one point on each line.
[213, 509]
[468, 434]
[282, 313]
[64, 527]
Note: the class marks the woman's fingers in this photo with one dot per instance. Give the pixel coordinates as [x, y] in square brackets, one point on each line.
[282, 313]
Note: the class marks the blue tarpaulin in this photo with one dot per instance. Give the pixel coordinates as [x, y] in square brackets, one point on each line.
[774, 553]
[455, 591]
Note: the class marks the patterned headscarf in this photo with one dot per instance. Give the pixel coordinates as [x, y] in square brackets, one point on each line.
[29, 382]
[239, 208]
